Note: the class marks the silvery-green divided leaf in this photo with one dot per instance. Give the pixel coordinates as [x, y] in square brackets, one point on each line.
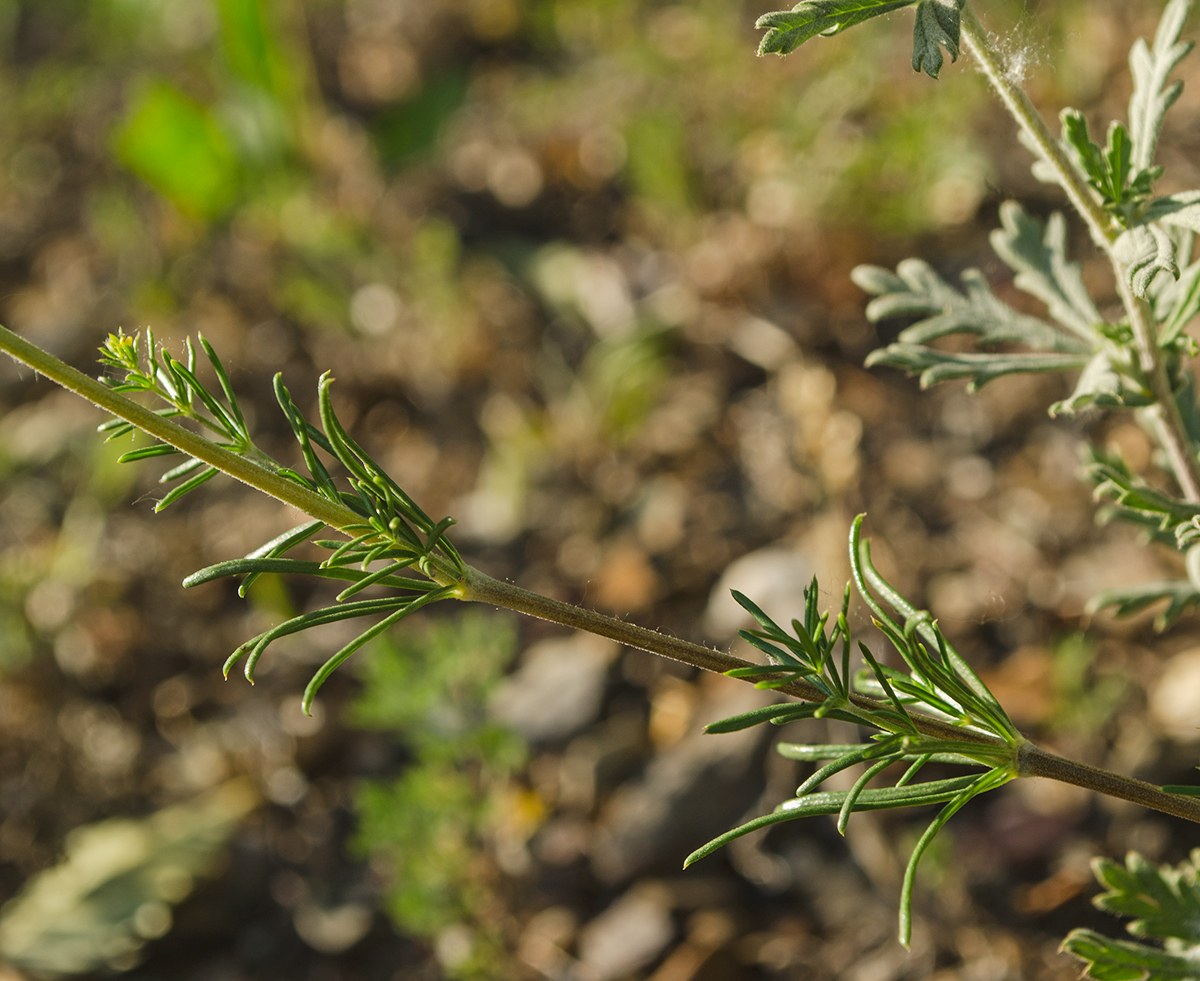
[115, 885]
[1180, 595]
[1152, 96]
[1165, 902]
[1114, 482]
[1145, 251]
[1181, 210]
[1165, 519]
[1180, 303]
[938, 366]
[1039, 258]
[788, 29]
[936, 27]
[1102, 386]
[1109, 170]
[1123, 960]
[918, 291]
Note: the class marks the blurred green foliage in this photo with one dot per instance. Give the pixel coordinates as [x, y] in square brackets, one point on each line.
[426, 826]
[404, 132]
[1085, 698]
[174, 144]
[116, 884]
[250, 47]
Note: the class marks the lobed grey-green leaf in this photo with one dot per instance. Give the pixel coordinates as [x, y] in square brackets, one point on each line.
[1039, 258]
[1152, 96]
[936, 27]
[788, 29]
[1145, 251]
[1123, 960]
[937, 366]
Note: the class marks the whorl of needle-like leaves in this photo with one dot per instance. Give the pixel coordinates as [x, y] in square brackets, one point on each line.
[938, 683]
[416, 561]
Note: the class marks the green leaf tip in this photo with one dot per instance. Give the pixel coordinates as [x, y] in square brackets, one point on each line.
[936, 26]
[788, 29]
[1164, 905]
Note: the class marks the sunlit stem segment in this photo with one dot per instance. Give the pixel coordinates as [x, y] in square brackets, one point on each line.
[248, 472]
[477, 587]
[1035, 762]
[1105, 232]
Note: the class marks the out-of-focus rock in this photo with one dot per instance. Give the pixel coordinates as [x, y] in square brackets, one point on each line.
[545, 939]
[331, 931]
[558, 689]
[628, 935]
[597, 761]
[114, 888]
[1175, 699]
[699, 958]
[773, 577]
[689, 793]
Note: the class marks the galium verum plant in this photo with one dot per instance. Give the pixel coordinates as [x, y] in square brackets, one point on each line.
[936, 711]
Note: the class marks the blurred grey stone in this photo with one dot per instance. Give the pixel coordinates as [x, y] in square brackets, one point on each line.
[331, 931]
[688, 794]
[558, 688]
[1175, 697]
[595, 762]
[773, 577]
[628, 935]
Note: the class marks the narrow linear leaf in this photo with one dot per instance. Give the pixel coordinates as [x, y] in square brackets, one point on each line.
[223, 380]
[258, 645]
[988, 781]
[185, 468]
[855, 792]
[147, 452]
[249, 566]
[326, 669]
[830, 802]
[188, 485]
[766, 713]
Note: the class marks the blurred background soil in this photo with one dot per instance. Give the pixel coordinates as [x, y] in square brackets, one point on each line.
[580, 268]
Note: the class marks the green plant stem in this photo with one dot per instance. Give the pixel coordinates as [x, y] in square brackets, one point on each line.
[247, 471]
[475, 586]
[1165, 410]
[481, 588]
[1035, 762]
[976, 39]
[1105, 231]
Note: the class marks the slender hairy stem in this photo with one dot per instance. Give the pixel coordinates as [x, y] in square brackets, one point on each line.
[484, 589]
[1035, 762]
[1105, 231]
[1165, 411]
[477, 587]
[977, 41]
[259, 477]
